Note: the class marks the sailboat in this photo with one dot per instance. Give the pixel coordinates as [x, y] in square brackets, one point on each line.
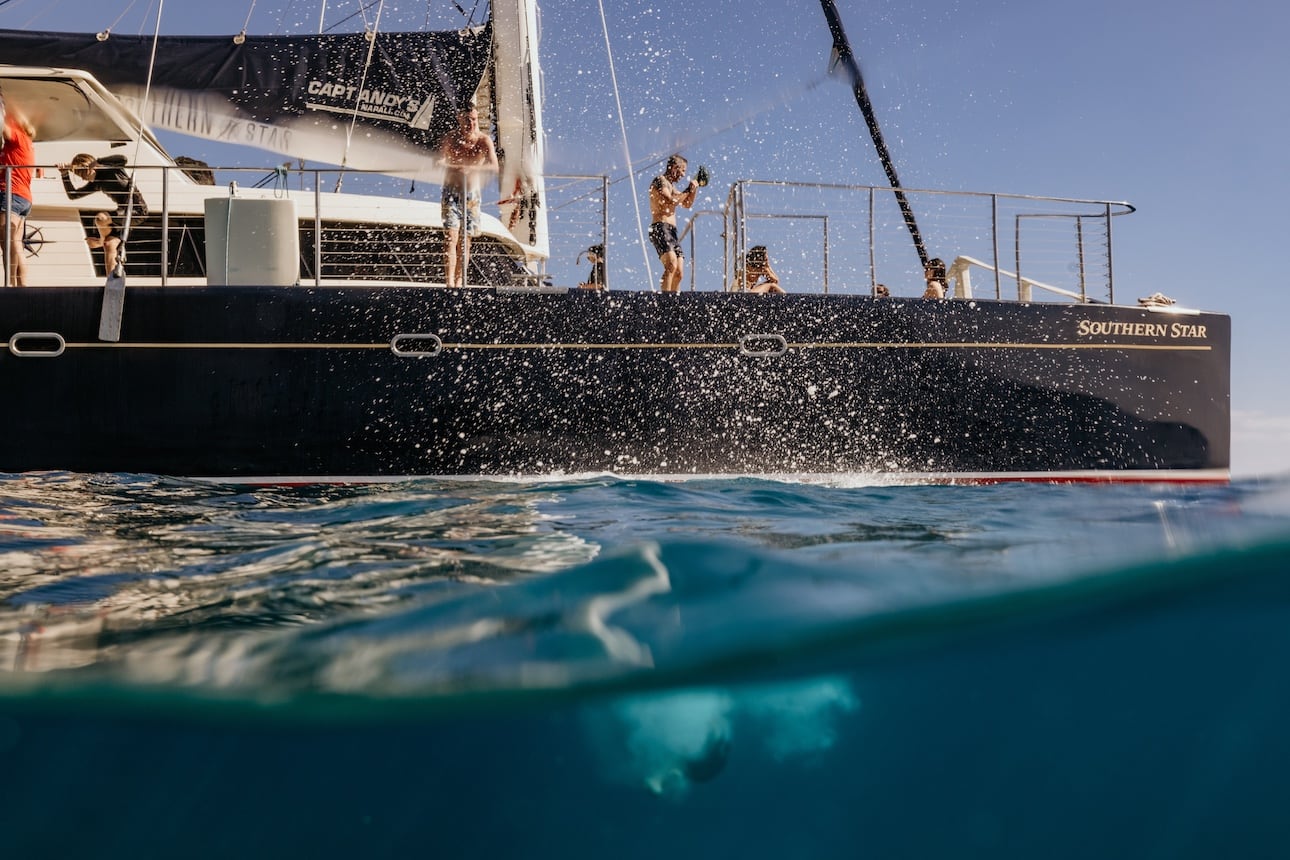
[294, 332]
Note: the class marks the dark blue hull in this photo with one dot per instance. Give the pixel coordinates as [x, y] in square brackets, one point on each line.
[352, 383]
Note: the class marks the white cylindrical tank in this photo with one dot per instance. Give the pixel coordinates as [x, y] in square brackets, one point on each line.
[252, 242]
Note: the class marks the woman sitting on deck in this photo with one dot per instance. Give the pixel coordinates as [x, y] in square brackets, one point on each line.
[757, 276]
[934, 274]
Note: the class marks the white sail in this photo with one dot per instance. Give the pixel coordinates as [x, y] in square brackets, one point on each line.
[518, 99]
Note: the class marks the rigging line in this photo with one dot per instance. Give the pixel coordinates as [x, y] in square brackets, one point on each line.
[648, 161]
[143, 22]
[627, 154]
[249, 13]
[281, 26]
[787, 97]
[361, 11]
[138, 138]
[590, 195]
[124, 12]
[362, 82]
[469, 16]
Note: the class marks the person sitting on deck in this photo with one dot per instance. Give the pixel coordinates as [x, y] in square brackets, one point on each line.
[757, 276]
[108, 175]
[596, 279]
[934, 273]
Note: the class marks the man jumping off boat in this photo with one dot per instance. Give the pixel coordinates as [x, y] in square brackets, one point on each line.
[466, 152]
[664, 197]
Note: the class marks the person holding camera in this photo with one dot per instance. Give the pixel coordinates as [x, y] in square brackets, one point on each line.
[596, 278]
[664, 197]
[934, 274]
[757, 276]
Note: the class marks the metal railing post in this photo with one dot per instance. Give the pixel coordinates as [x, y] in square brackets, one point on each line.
[994, 235]
[604, 231]
[8, 226]
[318, 238]
[165, 225]
[826, 255]
[1110, 259]
[1023, 292]
[1079, 253]
[873, 250]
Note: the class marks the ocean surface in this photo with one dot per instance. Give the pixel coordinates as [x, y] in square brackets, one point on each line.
[607, 668]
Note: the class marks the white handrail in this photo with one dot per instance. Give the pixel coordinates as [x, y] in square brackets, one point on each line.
[959, 273]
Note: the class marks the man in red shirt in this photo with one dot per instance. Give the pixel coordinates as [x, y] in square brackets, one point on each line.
[15, 187]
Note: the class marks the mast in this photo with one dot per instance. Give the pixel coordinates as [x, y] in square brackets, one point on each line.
[518, 101]
[843, 49]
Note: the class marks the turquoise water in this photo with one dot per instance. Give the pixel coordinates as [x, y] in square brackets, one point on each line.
[597, 667]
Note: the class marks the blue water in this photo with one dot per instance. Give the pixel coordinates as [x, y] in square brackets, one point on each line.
[607, 668]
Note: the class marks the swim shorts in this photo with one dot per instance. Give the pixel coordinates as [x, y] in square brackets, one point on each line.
[452, 210]
[662, 236]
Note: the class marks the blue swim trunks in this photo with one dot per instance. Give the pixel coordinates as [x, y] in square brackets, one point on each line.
[452, 215]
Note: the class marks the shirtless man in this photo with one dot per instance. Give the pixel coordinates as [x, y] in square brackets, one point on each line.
[664, 197]
[466, 153]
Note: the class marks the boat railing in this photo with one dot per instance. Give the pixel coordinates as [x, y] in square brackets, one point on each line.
[381, 230]
[577, 209]
[852, 238]
[822, 237]
[960, 275]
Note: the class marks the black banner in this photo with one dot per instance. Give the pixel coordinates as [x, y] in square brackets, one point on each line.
[313, 97]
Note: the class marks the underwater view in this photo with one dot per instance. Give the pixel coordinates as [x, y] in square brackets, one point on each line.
[597, 666]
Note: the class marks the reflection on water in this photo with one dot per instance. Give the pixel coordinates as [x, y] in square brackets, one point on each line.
[92, 564]
[547, 633]
[434, 585]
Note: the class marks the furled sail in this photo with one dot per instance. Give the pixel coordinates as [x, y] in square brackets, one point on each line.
[370, 102]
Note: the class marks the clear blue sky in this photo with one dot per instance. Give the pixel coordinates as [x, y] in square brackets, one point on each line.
[1180, 111]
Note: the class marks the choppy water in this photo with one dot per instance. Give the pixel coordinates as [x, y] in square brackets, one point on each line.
[599, 667]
